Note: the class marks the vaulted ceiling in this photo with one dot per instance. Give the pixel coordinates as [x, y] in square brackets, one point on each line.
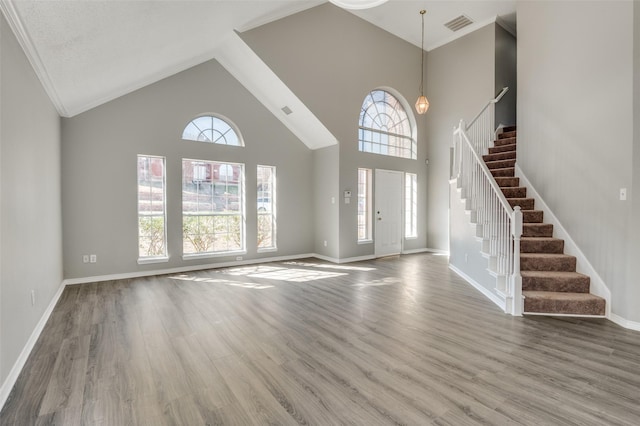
[87, 52]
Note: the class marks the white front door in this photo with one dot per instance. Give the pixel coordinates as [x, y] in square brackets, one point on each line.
[388, 212]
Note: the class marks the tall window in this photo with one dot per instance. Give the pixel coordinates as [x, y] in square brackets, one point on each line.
[385, 127]
[212, 207]
[152, 233]
[410, 205]
[266, 208]
[212, 129]
[364, 205]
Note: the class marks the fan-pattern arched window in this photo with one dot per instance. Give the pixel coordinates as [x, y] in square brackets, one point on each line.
[212, 129]
[384, 126]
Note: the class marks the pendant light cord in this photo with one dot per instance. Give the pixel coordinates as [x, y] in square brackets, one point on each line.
[422, 12]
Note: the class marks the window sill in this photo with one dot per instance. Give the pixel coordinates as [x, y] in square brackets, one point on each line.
[267, 249]
[411, 238]
[211, 255]
[149, 260]
[365, 241]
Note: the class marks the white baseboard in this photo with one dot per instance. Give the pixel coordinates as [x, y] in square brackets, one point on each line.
[426, 250]
[491, 296]
[632, 325]
[11, 379]
[137, 274]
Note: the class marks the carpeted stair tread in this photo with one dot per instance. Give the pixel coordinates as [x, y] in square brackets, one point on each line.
[547, 262]
[515, 192]
[503, 142]
[524, 203]
[532, 216]
[541, 245]
[508, 155]
[558, 281]
[507, 182]
[509, 129]
[507, 135]
[502, 148]
[550, 302]
[506, 172]
[537, 229]
[500, 164]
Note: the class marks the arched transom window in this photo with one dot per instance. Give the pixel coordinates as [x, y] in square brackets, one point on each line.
[385, 127]
[212, 129]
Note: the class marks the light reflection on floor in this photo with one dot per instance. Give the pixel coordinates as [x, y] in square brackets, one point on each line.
[331, 266]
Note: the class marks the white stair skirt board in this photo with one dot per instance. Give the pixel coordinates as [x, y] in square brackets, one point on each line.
[598, 286]
[491, 296]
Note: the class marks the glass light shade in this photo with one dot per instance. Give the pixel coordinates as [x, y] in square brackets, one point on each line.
[357, 4]
[422, 105]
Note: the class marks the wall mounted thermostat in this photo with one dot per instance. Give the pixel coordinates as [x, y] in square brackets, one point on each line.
[347, 194]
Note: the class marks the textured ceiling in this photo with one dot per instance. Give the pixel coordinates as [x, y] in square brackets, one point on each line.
[87, 52]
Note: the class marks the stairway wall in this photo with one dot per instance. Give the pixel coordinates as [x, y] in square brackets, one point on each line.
[634, 234]
[575, 126]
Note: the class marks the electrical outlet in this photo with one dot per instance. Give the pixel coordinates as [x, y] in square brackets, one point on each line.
[93, 258]
[238, 257]
[85, 258]
[325, 243]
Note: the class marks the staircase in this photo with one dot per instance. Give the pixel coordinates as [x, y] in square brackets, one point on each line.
[550, 283]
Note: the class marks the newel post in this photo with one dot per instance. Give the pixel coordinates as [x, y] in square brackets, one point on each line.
[516, 278]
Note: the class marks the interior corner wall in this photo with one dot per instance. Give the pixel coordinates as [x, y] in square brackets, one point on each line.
[633, 253]
[331, 59]
[506, 75]
[99, 152]
[575, 127]
[326, 172]
[30, 213]
[460, 81]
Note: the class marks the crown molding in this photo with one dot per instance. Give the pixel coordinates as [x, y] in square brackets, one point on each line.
[22, 35]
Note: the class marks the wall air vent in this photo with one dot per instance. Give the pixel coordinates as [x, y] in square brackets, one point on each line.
[458, 23]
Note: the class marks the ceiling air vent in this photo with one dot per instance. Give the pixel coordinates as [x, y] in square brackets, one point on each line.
[458, 23]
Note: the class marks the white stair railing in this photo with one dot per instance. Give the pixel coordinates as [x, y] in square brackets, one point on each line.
[498, 224]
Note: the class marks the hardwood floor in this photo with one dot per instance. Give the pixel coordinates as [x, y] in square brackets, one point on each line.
[392, 341]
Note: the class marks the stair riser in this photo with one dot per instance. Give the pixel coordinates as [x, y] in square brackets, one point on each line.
[509, 129]
[564, 264]
[524, 203]
[595, 307]
[509, 172]
[508, 182]
[533, 216]
[552, 246]
[502, 148]
[501, 164]
[573, 285]
[519, 192]
[537, 230]
[510, 155]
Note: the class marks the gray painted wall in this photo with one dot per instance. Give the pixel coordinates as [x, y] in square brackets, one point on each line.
[575, 127]
[506, 75]
[460, 81]
[331, 59]
[326, 173]
[99, 170]
[30, 216]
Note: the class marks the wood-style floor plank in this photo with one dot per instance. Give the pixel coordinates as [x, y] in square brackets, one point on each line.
[386, 342]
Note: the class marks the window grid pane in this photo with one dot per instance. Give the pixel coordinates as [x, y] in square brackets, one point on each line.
[364, 204]
[411, 205]
[212, 207]
[266, 206]
[384, 127]
[151, 207]
[211, 129]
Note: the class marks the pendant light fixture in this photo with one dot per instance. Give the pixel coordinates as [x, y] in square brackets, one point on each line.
[422, 104]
